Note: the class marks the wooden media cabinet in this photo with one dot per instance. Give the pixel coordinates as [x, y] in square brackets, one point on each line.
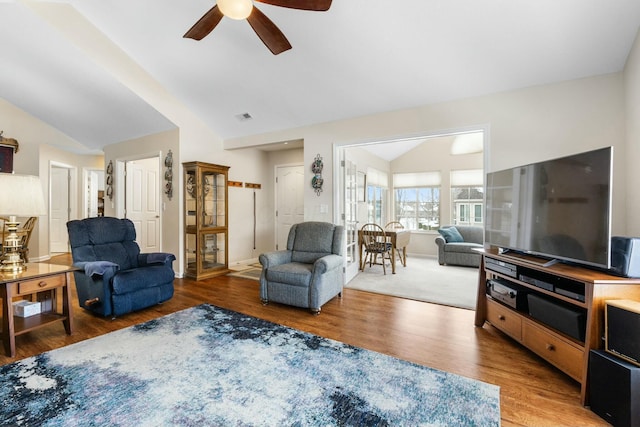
[569, 288]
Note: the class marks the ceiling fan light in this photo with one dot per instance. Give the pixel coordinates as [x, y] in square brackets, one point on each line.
[236, 9]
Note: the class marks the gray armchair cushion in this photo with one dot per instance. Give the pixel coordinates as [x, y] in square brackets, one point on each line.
[293, 273]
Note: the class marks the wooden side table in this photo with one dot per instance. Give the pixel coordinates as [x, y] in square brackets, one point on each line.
[40, 281]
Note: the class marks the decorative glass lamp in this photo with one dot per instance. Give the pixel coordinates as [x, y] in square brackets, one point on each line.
[20, 196]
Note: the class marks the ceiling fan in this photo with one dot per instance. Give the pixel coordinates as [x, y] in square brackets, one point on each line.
[268, 32]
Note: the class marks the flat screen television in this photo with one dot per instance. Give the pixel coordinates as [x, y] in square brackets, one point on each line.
[558, 209]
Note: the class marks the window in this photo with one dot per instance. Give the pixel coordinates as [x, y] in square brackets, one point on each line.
[418, 208]
[376, 202]
[377, 196]
[467, 197]
[417, 200]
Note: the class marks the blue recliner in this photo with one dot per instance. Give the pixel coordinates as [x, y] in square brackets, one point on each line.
[116, 278]
[310, 271]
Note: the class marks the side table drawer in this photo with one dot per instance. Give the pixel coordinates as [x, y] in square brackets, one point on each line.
[557, 351]
[41, 284]
[505, 319]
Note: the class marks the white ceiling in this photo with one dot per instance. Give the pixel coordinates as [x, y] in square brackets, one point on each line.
[360, 57]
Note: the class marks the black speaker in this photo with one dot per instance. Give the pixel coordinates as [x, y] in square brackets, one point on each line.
[614, 389]
[563, 317]
[625, 256]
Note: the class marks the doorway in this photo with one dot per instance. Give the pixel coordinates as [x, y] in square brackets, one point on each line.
[61, 178]
[443, 152]
[142, 201]
[289, 201]
[93, 193]
[349, 193]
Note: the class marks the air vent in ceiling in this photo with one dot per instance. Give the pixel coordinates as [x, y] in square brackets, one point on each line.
[244, 117]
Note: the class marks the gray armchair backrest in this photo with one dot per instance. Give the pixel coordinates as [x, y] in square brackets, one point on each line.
[470, 233]
[311, 240]
[104, 239]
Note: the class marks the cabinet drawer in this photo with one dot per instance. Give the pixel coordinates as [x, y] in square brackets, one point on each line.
[563, 354]
[505, 319]
[41, 284]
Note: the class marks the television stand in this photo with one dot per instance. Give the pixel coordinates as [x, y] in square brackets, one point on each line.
[576, 294]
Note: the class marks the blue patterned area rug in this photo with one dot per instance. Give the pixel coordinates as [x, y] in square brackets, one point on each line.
[206, 366]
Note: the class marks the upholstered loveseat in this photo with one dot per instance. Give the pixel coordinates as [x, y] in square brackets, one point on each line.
[456, 245]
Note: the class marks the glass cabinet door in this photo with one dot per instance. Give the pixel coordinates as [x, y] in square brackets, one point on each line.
[190, 201]
[213, 250]
[213, 199]
[205, 231]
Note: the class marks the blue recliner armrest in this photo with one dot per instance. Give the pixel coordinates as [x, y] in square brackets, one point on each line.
[155, 258]
[98, 268]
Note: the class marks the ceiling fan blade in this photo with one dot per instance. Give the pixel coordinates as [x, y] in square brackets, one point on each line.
[205, 25]
[317, 5]
[270, 35]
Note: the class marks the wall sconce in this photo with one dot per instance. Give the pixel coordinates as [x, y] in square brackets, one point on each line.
[317, 181]
[168, 175]
[110, 180]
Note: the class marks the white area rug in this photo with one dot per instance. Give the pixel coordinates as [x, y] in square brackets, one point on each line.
[207, 366]
[423, 279]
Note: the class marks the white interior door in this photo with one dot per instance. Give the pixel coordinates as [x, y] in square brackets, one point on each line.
[59, 209]
[289, 201]
[142, 201]
[350, 215]
[94, 182]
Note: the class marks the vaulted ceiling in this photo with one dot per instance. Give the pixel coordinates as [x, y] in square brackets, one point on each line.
[360, 57]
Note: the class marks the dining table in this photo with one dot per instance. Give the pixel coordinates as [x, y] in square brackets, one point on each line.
[399, 240]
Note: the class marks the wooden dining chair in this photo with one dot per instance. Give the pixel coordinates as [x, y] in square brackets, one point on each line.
[394, 225]
[25, 235]
[375, 243]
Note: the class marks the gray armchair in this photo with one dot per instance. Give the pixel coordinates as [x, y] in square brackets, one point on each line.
[309, 272]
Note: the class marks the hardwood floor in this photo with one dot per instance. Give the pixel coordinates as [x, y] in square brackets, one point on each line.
[532, 392]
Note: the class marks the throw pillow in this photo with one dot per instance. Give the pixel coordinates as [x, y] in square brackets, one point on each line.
[451, 235]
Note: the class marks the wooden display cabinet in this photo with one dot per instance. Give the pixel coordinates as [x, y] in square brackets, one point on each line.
[206, 234]
[580, 289]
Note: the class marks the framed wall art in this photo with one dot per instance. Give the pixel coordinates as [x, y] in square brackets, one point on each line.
[6, 159]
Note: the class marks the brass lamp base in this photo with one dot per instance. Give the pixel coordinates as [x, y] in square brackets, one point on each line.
[12, 260]
[12, 263]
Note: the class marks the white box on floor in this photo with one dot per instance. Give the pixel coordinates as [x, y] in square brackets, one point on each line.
[26, 308]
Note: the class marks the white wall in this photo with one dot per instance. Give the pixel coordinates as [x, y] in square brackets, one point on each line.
[39, 145]
[632, 105]
[246, 165]
[48, 155]
[266, 215]
[151, 146]
[524, 126]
